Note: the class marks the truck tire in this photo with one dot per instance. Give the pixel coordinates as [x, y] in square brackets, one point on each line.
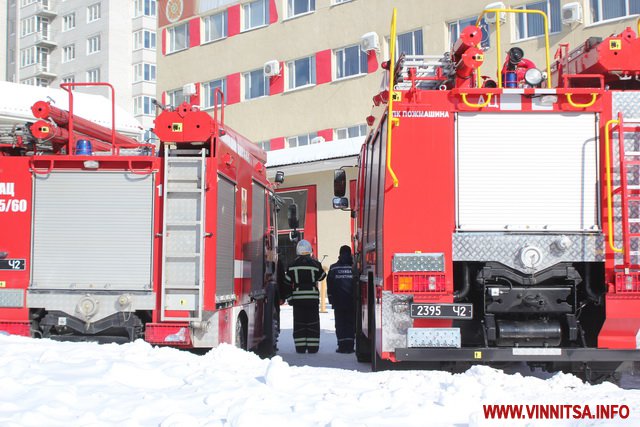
[241, 333]
[363, 344]
[267, 348]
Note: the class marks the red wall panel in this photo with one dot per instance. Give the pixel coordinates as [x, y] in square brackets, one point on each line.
[233, 20]
[276, 83]
[194, 32]
[372, 61]
[277, 143]
[273, 12]
[164, 41]
[323, 66]
[327, 134]
[233, 89]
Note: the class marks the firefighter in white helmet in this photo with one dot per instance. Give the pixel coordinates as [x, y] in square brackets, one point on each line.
[303, 276]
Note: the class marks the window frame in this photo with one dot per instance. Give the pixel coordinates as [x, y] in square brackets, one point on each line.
[140, 8]
[94, 12]
[361, 128]
[522, 18]
[245, 10]
[289, 9]
[90, 72]
[143, 105]
[94, 44]
[172, 95]
[207, 95]
[171, 35]
[600, 12]
[361, 55]
[290, 67]
[70, 48]
[247, 75]
[142, 69]
[205, 28]
[309, 137]
[140, 39]
[68, 22]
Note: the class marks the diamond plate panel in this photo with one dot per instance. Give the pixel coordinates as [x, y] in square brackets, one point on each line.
[434, 337]
[395, 320]
[507, 248]
[418, 262]
[11, 298]
[627, 103]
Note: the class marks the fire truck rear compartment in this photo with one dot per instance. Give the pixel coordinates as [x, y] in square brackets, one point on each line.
[91, 273]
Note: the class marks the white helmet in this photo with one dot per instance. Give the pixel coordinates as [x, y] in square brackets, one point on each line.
[304, 248]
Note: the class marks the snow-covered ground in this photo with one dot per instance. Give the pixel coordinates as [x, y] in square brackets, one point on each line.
[47, 383]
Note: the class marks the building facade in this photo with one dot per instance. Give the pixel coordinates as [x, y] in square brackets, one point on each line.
[300, 73]
[85, 41]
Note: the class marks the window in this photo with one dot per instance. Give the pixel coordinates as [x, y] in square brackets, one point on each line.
[409, 43]
[27, 26]
[256, 14]
[69, 22]
[68, 79]
[93, 44]
[27, 57]
[143, 105]
[301, 72]
[351, 132]
[456, 27]
[93, 12]
[175, 97]
[69, 53]
[265, 145]
[144, 8]
[340, 1]
[300, 140]
[532, 25]
[215, 27]
[12, 27]
[93, 75]
[350, 61]
[144, 72]
[601, 10]
[208, 90]
[299, 7]
[12, 56]
[178, 38]
[24, 3]
[256, 84]
[144, 39]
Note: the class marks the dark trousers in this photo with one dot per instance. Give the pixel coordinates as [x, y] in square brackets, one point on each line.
[345, 328]
[306, 326]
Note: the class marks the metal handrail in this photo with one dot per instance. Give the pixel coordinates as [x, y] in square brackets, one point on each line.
[471, 104]
[607, 143]
[390, 120]
[499, 56]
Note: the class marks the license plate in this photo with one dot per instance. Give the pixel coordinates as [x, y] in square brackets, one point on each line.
[442, 311]
[12, 264]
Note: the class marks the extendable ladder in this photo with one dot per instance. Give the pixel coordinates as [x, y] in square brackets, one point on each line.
[183, 235]
[430, 71]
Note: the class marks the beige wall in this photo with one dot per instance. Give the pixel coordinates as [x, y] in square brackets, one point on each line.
[348, 102]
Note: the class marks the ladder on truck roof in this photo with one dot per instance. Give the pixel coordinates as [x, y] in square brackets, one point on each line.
[183, 235]
[624, 217]
[431, 71]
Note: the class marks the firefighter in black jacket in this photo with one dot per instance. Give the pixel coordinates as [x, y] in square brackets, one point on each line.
[303, 275]
[341, 298]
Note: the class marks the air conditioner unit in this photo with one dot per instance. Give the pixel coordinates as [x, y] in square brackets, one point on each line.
[317, 140]
[491, 17]
[571, 13]
[271, 68]
[369, 41]
[189, 89]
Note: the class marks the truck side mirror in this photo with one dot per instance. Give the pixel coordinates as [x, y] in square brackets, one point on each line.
[339, 182]
[279, 177]
[292, 215]
[340, 203]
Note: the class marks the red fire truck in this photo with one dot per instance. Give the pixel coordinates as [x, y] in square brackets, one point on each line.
[498, 217]
[103, 239]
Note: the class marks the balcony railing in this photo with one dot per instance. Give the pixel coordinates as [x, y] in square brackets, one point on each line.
[45, 38]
